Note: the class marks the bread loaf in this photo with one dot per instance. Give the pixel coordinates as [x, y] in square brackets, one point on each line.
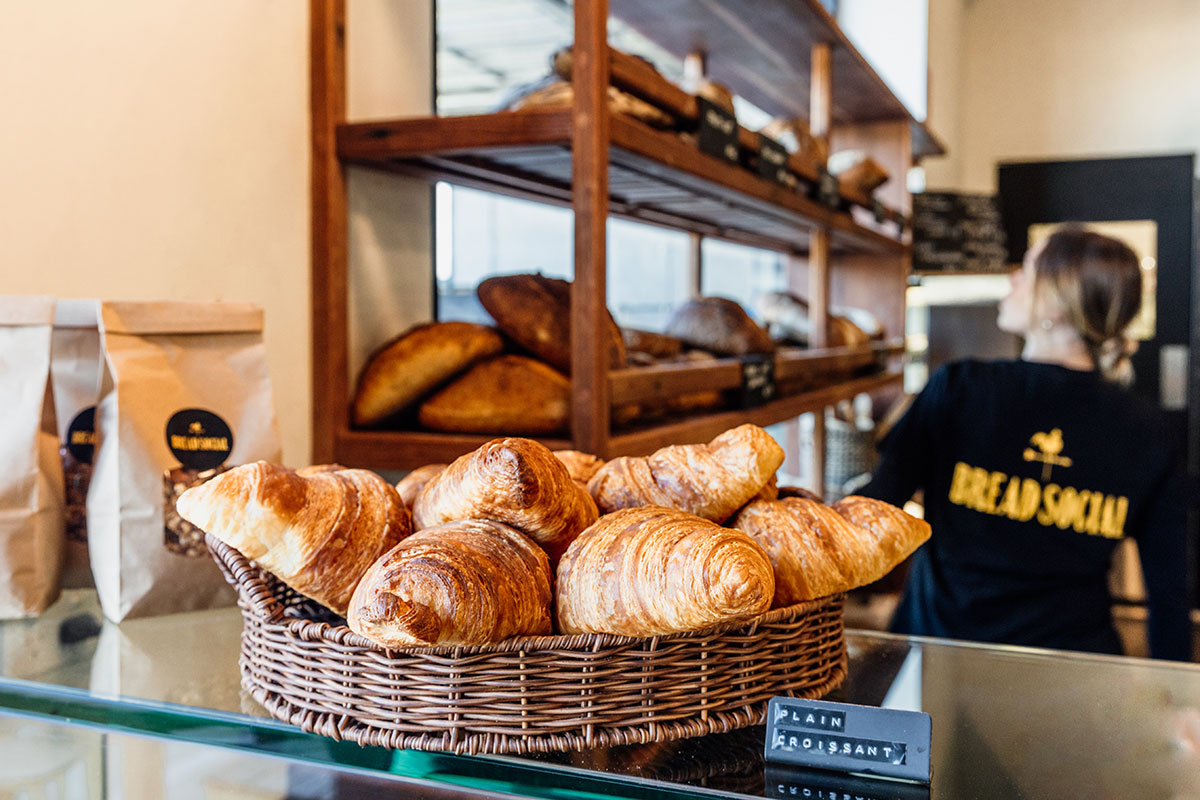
[718, 325]
[317, 530]
[416, 362]
[505, 395]
[467, 582]
[535, 312]
[709, 480]
[411, 484]
[657, 345]
[515, 481]
[652, 571]
[816, 551]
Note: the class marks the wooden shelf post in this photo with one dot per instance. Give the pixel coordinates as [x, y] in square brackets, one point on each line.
[330, 282]
[821, 120]
[590, 143]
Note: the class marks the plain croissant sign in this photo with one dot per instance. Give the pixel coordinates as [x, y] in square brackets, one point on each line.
[849, 738]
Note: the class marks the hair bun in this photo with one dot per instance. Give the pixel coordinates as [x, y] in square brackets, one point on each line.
[1114, 359]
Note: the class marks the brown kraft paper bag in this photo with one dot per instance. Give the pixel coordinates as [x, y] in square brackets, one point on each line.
[75, 368]
[185, 395]
[31, 482]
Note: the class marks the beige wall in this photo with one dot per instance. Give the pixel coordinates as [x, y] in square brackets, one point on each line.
[1065, 78]
[160, 150]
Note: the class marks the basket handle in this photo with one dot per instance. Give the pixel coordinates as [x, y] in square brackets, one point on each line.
[246, 578]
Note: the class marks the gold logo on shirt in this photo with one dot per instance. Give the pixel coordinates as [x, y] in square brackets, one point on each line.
[1049, 446]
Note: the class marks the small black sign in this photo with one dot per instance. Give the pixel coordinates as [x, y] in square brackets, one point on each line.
[718, 132]
[849, 738]
[199, 439]
[758, 380]
[772, 160]
[828, 192]
[791, 782]
[81, 436]
[879, 210]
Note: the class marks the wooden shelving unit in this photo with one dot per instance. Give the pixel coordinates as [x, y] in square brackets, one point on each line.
[602, 165]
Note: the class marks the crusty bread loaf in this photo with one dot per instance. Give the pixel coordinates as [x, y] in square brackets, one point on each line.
[535, 312]
[317, 530]
[515, 481]
[466, 582]
[658, 345]
[718, 325]
[709, 480]
[651, 571]
[505, 395]
[416, 362]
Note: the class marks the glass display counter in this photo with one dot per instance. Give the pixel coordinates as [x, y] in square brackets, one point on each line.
[153, 708]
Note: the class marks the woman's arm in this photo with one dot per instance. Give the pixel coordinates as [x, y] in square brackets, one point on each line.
[908, 451]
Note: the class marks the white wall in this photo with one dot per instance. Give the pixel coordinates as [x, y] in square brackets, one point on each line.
[1070, 78]
[161, 150]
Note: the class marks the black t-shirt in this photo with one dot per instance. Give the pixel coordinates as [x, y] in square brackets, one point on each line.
[1032, 474]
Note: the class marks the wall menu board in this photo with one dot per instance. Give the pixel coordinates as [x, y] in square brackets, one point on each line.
[956, 232]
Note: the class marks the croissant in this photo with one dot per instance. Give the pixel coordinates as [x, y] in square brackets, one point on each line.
[515, 481]
[816, 551]
[580, 466]
[317, 530]
[651, 571]
[466, 582]
[709, 480]
[411, 484]
[897, 533]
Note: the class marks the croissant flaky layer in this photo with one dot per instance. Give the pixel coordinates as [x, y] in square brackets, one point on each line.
[466, 582]
[411, 484]
[818, 550]
[317, 530]
[515, 481]
[650, 571]
[709, 480]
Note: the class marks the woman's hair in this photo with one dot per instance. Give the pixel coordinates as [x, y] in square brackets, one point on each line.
[1098, 282]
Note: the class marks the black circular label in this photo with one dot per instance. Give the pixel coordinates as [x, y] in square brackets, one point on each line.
[199, 439]
[81, 435]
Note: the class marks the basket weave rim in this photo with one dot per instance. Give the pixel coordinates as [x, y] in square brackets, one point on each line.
[247, 578]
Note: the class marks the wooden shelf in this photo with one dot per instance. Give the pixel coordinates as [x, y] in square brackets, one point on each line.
[411, 449]
[760, 51]
[654, 176]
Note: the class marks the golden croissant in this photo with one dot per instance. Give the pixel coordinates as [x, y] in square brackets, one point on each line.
[466, 582]
[650, 571]
[411, 484]
[317, 530]
[817, 551]
[709, 480]
[580, 466]
[515, 481]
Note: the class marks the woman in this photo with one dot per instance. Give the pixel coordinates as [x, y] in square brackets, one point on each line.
[1033, 470]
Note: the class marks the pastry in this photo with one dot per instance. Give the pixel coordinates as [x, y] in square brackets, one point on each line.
[552, 92]
[718, 325]
[535, 312]
[856, 169]
[505, 395]
[415, 363]
[411, 484]
[786, 317]
[816, 551]
[317, 530]
[709, 480]
[897, 533]
[462, 583]
[652, 571]
[581, 466]
[515, 481]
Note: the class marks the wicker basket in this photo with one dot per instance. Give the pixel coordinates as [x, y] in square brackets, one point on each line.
[526, 694]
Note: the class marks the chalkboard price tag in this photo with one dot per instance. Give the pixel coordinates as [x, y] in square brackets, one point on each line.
[828, 192]
[718, 132]
[772, 160]
[758, 380]
[880, 212]
[848, 738]
[792, 782]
